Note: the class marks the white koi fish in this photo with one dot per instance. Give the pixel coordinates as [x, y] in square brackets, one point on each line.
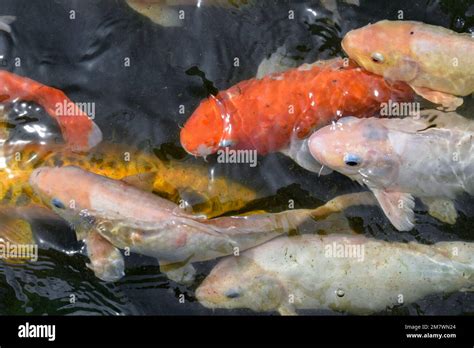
[110, 214]
[344, 273]
[430, 157]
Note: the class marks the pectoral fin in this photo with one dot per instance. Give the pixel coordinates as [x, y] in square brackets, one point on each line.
[448, 101]
[82, 231]
[342, 202]
[142, 181]
[298, 151]
[106, 260]
[179, 272]
[398, 207]
[442, 209]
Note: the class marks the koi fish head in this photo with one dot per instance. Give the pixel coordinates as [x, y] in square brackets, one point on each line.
[358, 148]
[237, 282]
[62, 189]
[203, 132]
[383, 48]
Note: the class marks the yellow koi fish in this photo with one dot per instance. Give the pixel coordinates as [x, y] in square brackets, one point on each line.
[174, 180]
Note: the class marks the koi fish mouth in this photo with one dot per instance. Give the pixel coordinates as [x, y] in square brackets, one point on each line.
[316, 148]
[208, 297]
[196, 148]
[203, 131]
[204, 151]
[201, 150]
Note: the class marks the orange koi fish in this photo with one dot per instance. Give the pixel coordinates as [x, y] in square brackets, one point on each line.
[279, 111]
[79, 131]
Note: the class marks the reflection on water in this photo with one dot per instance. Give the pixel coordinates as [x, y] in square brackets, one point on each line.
[140, 105]
[54, 284]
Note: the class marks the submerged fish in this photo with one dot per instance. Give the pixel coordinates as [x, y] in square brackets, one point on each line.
[178, 181]
[144, 223]
[166, 12]
[79, 131]
[436, 62]
[278, 62]
[5, 22]
[278, 112]
[343, 273]
[430, 157]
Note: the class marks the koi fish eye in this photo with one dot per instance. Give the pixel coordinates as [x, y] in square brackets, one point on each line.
[352, 160]
[232, 293]
[57, 203]
[377, 57]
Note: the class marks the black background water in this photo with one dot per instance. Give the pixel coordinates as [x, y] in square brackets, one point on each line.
[139, 105]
